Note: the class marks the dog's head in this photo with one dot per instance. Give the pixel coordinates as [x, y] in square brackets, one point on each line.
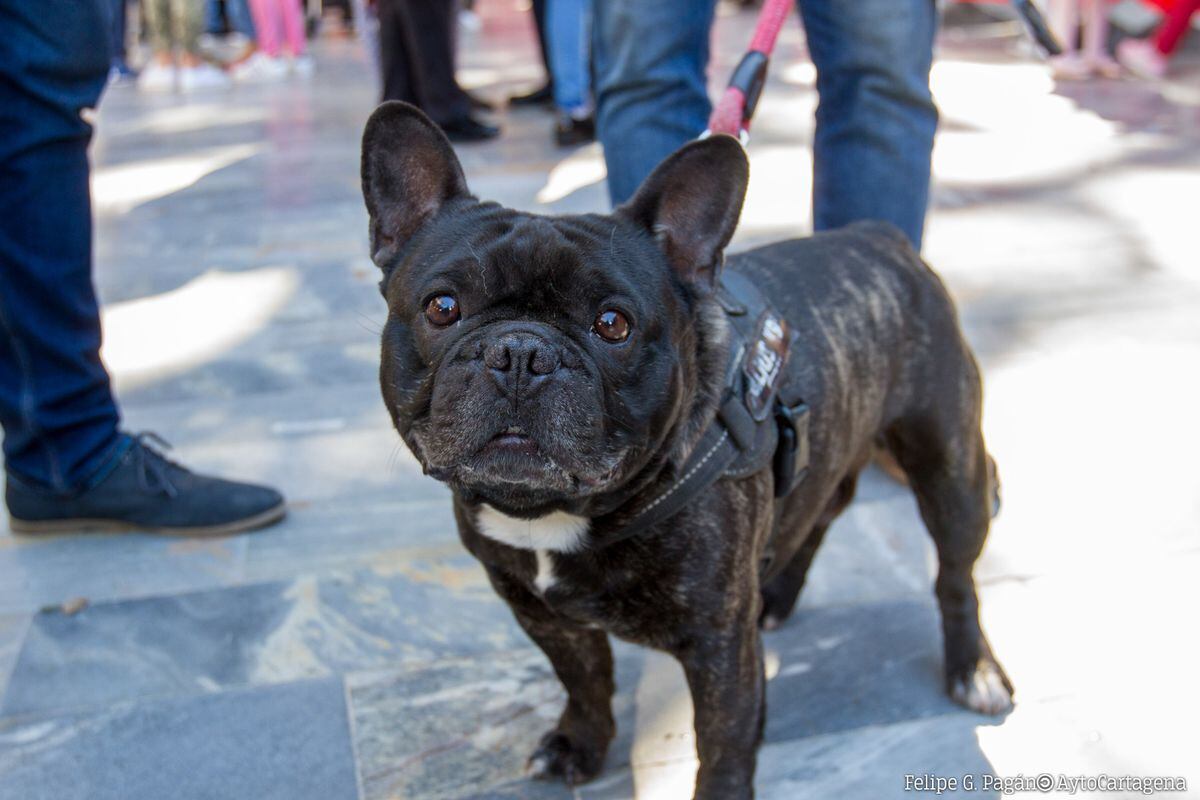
[535, 362]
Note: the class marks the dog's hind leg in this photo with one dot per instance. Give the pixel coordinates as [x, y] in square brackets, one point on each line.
[949, 471]
[779, 595]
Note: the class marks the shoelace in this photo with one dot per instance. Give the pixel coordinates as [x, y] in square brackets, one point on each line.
[153, 464]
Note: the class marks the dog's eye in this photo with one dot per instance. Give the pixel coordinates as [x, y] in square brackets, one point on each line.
[611, 326]
[442, 310]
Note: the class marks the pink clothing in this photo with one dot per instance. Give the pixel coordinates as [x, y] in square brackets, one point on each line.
[276, 23]
[1175, 26]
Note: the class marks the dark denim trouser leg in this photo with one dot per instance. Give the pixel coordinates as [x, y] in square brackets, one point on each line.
[650, 58]
[875, 124]
[238, 12]
[117, 32]
[876, 118]
[58, 414]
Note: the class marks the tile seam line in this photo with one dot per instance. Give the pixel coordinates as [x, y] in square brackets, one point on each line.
[9, 721]
[352, 731]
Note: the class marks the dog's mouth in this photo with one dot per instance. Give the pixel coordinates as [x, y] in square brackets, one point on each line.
[513, 441]
[516, 470]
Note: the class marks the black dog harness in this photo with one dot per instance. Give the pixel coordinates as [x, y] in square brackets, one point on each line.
[756, 424]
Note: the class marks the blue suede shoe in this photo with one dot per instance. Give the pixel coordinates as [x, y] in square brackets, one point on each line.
[145, 491]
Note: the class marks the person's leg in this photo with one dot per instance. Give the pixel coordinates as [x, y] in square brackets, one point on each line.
[293, 26]
[539, 21]
[187, 23]
[651, 91]
[395, 72]
[876, 118]
[117, 30]
[265, 27]
[366, 26]
[568, 28]
[239, 18]
[67, 465]
[544, 93]
[212, 17]
[1064, 21]
[56, 408]
[158, 29]
[437, 89]
[1095, 40]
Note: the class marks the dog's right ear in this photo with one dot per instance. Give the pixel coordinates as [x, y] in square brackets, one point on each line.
[409, 171]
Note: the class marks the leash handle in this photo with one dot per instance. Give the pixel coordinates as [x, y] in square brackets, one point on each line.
[733, 112]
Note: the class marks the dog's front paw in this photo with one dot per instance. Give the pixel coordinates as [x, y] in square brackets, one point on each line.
[561, 756]
[983, 688]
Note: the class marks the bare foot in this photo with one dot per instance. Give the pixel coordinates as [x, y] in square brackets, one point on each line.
[1069, 67]
[1103, 65]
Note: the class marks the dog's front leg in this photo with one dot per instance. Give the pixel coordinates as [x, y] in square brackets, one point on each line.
[725, 674]
[574, 750]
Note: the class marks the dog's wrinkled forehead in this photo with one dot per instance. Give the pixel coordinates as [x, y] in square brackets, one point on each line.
[533, 261]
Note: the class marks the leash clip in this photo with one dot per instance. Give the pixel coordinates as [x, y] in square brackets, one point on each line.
[743, 135]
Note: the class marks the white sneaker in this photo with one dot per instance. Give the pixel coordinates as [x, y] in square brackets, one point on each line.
[301, 65]
[201, 77]
[1142, 58]
[157, 77]
[260, 67]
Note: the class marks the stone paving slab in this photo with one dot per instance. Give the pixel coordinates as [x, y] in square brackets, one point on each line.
[375, 531]
[371, 529]
[453, 730]
[464, 729]
[279, 743]
[253, 635]
[12, 635]
[52, 570]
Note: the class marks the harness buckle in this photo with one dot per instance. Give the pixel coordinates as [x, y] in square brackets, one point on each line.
[791, 453]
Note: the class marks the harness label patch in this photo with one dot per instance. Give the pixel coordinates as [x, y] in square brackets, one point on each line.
[764, 363]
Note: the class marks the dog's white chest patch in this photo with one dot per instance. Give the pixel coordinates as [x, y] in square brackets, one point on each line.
[559, 531]
[545, 571]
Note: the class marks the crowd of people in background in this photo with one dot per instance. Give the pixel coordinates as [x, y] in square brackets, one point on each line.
[268, 39]
[203, 44]
[1082, 26]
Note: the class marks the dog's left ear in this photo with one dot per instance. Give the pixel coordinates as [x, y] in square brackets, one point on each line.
[691, 204]
[409, 171]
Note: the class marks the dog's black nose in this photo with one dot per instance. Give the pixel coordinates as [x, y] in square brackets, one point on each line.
[521, 351]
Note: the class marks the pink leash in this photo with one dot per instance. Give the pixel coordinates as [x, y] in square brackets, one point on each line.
[732, 114]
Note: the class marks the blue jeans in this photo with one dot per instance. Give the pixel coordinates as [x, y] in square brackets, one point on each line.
[117, 33]
[56, 408]
[569, 24]
[236, 11]
[875, 120]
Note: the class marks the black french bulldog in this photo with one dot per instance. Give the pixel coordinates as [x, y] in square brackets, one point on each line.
[561, 373]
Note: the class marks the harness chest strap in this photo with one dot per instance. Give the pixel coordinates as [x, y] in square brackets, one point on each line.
[755, 426]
